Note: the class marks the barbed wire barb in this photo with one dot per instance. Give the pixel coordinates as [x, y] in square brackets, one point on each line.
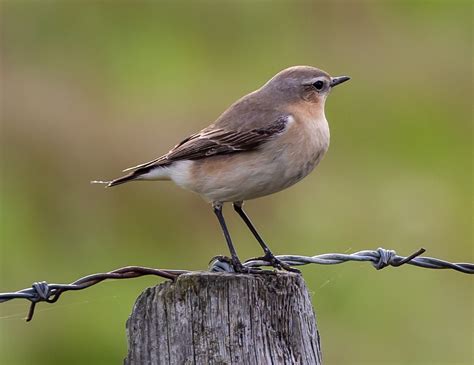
[50, 293]
[380, 258]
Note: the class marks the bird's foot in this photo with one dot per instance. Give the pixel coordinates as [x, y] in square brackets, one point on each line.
[226, 264]
[276, 263]
[241, 269]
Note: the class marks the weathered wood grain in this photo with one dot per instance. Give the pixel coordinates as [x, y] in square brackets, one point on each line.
[217, 318]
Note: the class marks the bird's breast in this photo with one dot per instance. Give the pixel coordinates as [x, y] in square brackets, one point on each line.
[302, 147]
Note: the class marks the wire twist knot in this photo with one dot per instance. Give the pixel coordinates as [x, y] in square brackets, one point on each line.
[221, 264]
[386, 258]
[42, 291]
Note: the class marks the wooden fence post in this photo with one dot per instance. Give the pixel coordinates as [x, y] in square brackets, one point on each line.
[219, 318]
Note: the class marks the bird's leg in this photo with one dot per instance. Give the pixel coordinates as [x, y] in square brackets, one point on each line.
[269, 256]
[238, 267]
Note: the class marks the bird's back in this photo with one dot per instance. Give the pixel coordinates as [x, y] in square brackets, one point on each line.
[254, 110]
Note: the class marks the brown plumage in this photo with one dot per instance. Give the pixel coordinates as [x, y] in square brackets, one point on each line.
[263, 143]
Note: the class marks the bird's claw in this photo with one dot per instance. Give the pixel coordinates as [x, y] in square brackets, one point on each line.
[276, 263]
[241, 269]
[226, 264]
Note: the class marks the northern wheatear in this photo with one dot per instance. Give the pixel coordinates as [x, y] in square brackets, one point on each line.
[263, 143]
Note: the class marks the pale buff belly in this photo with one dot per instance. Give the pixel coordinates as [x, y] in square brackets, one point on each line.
[249, 175]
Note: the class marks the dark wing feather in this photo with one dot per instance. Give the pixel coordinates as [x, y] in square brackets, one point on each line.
[218, 141]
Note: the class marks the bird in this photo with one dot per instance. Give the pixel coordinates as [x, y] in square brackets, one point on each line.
[265, 142]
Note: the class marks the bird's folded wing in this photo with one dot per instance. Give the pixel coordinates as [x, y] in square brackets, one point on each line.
[216, 141]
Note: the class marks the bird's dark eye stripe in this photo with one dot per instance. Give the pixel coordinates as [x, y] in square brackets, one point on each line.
[318, 85]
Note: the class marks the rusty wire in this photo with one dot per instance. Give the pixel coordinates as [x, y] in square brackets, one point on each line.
[43, 292]
[380, 258]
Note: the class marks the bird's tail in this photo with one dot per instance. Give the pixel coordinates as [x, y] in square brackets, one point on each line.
[118, 181]
[140, 173]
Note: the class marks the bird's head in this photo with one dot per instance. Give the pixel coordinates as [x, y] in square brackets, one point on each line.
[303, 83]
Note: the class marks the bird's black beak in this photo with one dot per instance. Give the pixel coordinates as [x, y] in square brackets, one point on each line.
[339, 80]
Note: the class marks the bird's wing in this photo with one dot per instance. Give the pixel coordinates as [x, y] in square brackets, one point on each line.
[221, 141]
[217, 141]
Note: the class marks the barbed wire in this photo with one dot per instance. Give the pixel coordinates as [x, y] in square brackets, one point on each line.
[43, 292]
[380, 258]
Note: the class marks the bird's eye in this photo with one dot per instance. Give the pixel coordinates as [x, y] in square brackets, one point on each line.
[318, 85]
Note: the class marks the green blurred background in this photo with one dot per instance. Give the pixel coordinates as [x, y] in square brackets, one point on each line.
[89, 88]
